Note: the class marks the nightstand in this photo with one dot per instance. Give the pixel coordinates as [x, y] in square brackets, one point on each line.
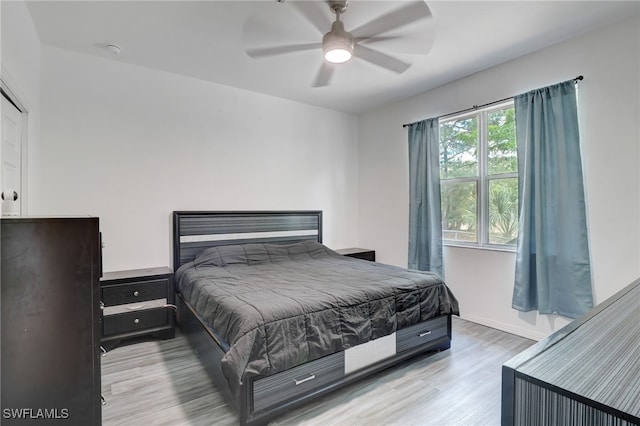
[137, 302]
[358, 253]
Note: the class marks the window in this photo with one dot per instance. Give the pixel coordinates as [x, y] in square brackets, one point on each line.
[479, 178]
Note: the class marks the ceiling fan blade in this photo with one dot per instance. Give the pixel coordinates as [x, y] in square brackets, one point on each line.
[411, 12]
[323, 78]
[315, 13]
[263, 52]
[380, 59]
[399, 44]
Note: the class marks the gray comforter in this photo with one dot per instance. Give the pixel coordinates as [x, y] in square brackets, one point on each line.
[278, 306]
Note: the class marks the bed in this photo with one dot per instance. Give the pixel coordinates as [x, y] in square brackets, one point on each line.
[277, 318]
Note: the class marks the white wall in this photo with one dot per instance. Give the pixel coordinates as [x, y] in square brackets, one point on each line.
[609, 117]
[131, 144]
[20, 58]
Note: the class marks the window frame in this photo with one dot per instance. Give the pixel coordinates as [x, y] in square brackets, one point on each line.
[482, 180]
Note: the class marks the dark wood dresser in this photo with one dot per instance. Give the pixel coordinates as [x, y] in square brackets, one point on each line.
[587, 373]
[50, 321]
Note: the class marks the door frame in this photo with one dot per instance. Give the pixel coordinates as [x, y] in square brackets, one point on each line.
[6, 84]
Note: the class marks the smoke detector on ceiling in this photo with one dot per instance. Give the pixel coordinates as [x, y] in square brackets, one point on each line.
[113, 48]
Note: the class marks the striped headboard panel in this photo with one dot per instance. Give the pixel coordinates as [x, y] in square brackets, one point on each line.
[194, 231]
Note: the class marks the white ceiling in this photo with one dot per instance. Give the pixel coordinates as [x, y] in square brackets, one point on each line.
[207, 40]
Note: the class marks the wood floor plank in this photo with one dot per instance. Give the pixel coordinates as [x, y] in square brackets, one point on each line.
[162, 383]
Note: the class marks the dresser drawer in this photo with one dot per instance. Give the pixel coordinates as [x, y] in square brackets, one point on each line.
[421, 333]
[288, 384]
[135, 321]
[133, 292]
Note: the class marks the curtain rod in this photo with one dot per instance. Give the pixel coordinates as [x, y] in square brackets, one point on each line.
[476, 107]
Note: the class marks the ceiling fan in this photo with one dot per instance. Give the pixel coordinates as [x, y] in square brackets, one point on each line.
[339, 46]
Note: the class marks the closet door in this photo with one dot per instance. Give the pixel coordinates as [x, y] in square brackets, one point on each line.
[50, 321]
[10, 158]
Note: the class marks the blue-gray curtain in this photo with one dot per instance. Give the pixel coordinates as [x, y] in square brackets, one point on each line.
[553, 272]
[425, 216]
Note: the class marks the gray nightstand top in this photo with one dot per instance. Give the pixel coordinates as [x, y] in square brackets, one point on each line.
[352, 250]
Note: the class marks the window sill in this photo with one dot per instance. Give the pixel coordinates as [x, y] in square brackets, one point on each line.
[478, 247]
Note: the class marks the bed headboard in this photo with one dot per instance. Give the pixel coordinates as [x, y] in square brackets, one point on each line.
[194, 231]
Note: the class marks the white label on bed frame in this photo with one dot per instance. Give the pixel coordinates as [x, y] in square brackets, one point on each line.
[246, 235]
[369, 353]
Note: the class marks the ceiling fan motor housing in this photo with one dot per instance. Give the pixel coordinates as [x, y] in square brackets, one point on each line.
[337, 40]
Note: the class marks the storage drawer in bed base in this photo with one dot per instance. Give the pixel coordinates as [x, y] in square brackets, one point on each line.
[265, 398]
[421, 333]
[272, 390]
[282, 406]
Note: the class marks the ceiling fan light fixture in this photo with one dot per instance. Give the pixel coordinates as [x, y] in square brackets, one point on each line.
[337, 44]
[337, 56]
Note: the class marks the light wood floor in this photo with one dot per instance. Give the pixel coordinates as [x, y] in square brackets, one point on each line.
[162, 383]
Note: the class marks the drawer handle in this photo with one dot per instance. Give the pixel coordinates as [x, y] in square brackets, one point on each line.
[424, 333]
[103, 401]
[136, 293]
[136, 321]
[103, 350]
[170, 306]
[299, 382]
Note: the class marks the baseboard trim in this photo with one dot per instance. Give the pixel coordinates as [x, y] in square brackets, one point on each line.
[509, 328]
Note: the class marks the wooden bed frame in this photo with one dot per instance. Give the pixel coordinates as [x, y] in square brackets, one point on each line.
[264, 398]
